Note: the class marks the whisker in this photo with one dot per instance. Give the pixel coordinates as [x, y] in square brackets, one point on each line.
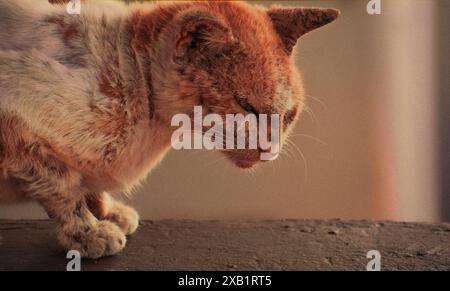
[305, 164]
[318, 100]
[311, 114]
[289, 153]
[310, 137]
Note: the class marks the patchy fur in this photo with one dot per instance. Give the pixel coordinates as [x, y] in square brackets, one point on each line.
[86, 100]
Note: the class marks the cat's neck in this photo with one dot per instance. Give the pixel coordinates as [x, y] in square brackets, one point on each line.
[124, 72]
[147, 36]
[138, 70]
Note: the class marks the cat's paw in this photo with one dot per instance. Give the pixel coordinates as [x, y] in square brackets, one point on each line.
[123, 216]
[104, 239]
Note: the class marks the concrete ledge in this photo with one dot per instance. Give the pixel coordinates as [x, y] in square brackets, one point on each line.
[233, 246]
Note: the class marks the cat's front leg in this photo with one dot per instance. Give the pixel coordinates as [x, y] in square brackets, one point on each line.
[105, 207]
[78, 229]
[59, 191]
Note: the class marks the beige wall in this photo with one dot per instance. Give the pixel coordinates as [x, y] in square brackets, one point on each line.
[411, 112]
[346, 72]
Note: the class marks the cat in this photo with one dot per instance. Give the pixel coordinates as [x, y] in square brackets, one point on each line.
[86, 100]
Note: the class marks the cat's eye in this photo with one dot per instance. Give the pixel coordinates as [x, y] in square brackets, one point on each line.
[244, 104]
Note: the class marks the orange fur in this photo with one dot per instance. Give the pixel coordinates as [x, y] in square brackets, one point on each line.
[86, 101]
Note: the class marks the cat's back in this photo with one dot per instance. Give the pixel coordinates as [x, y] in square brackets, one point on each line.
[37, 24]
[22, 23]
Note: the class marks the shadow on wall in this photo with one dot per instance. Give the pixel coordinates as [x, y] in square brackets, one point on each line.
[444, 105]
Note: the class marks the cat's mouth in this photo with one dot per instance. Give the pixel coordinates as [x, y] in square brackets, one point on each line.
[244, 159]
[245, 164]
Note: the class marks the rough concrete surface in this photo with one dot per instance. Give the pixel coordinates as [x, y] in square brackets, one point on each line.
[234, 246]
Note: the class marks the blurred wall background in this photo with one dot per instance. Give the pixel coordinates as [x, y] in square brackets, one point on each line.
[367, 147]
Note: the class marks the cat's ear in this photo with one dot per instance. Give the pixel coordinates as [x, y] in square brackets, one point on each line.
[292, 23]
[201, 34]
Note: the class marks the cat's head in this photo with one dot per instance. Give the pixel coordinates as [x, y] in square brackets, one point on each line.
[236, 58]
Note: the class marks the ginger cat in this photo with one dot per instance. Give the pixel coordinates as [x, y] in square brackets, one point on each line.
[86, 100]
